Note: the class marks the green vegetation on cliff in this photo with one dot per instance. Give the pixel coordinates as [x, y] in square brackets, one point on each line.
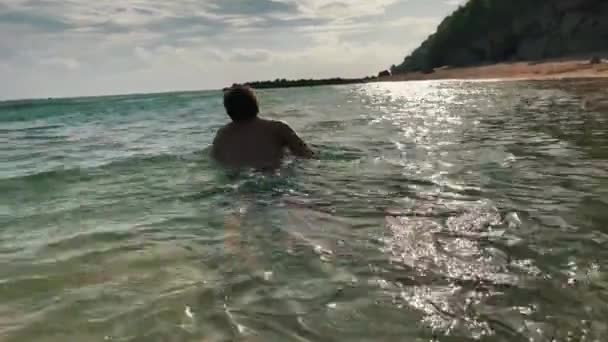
[490, 31]
[284, 83]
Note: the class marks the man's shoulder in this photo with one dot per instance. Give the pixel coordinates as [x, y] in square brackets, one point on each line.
[278, 124]
[227, 127]
[268, 121]
[222, 131]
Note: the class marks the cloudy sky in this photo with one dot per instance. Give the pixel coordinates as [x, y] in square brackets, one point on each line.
[94, 47]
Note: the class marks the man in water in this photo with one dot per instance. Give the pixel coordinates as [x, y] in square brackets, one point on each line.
[250, 141]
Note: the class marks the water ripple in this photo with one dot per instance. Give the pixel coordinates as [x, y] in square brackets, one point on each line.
[442, 210]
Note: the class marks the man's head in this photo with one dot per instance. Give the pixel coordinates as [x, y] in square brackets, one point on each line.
[240, 103]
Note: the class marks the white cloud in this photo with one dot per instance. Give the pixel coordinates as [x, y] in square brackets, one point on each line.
[142, 53]
[455, 2]
[156, 45]
[60, 62]
[343, 9]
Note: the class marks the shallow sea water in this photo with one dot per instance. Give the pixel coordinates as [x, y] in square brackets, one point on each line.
[436, 211]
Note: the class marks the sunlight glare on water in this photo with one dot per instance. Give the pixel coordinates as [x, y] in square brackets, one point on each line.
[436, 211]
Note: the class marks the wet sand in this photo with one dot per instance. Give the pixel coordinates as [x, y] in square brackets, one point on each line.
[517, 71]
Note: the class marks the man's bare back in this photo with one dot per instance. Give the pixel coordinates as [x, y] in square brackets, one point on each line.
[249, 141]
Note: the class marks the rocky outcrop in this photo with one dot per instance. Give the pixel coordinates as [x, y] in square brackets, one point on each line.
[490, 31]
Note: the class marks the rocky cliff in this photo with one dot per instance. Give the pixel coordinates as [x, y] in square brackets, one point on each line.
[491, 31]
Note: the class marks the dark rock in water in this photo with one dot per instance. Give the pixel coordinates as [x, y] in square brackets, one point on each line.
[384, 73]
[595, 60]
[483, 32]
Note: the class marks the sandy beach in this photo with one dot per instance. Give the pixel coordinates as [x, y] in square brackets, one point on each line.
[517, 71]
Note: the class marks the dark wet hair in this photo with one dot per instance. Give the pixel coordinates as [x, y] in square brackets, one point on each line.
[240, 103]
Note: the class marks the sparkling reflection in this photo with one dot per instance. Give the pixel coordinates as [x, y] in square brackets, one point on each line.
[443, 211]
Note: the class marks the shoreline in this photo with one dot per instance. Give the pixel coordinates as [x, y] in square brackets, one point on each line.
[516, 71]
[543, 70]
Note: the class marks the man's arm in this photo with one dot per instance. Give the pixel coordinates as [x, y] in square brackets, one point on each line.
[216, 145]
[296, 145]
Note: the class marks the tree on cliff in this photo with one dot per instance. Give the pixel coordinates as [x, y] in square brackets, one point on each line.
[489, 31]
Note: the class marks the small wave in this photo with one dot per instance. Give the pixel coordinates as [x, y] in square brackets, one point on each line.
[30, 129]
[76, 174]
[327, 125]
[47, 139]
[87, 173]
[87, 238]
[22, 111]
[338, 153]
[449, 252]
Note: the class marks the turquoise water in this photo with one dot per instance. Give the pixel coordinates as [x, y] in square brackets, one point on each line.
[437, 211]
